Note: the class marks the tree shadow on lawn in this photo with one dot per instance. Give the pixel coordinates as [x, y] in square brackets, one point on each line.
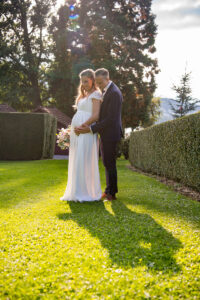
[132, 239]
[27, 180]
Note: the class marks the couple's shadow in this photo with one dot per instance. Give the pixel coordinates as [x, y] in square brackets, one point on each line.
[131, 238]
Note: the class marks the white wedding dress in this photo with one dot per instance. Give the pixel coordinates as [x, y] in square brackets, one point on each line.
[83, 182]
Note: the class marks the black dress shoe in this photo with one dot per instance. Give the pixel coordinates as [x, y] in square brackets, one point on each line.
[111, 197]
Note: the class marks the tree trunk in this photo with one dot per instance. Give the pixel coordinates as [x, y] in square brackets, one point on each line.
[35, 95]
[33, 68]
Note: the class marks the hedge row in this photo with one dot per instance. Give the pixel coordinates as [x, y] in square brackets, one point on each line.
[27, 136]
[170, 149]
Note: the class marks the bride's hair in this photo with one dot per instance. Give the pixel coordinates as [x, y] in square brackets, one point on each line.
[81, 92]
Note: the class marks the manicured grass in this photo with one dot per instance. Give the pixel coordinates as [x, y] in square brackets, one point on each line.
[145, 245]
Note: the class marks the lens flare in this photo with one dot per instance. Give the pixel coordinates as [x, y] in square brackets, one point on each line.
[72, 7]
[73, 16]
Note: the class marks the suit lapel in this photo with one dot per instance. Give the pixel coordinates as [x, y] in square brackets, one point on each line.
[105, 98]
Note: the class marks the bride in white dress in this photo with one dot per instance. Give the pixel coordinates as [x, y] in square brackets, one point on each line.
[83, 182]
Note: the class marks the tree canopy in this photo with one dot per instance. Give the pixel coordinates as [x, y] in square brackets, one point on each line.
[42, 51]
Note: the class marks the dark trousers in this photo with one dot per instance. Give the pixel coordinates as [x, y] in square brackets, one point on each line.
[109, 156]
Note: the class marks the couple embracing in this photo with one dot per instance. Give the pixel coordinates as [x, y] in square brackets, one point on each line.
[98, 105]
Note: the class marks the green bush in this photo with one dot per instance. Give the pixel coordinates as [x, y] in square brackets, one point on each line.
[27, 136]
[170, 149]
[124, 147]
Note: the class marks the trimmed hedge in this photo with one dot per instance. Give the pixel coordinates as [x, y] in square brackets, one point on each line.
[170, 149]
[27, 136]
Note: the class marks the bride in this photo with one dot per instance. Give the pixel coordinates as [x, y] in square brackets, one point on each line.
[83, 182]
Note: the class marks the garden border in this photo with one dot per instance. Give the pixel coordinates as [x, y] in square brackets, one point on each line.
[177, 186]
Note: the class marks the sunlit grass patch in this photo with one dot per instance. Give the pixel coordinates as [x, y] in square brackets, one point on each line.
[144, 245]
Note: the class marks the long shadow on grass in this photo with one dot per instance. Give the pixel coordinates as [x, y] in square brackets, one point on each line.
[131, 238]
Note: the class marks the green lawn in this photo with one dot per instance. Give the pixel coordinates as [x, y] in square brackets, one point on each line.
[145, 245]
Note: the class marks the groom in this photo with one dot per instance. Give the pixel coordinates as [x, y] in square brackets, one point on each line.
[109, 126]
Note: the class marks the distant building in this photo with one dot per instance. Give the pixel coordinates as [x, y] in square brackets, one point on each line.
[4, 107]
[62, 122]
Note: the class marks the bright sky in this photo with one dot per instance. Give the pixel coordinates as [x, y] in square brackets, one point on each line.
[177, 43]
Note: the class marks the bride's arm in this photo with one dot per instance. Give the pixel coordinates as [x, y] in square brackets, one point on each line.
[95, 112]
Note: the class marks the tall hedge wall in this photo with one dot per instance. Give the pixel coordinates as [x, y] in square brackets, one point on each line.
[27, 136]
[170, 149]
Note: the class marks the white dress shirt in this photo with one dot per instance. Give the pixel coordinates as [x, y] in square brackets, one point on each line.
[106, 87]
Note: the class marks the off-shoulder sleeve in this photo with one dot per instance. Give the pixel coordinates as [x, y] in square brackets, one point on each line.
[96, 95]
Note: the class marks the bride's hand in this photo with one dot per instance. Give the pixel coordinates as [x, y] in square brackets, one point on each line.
[76, 130]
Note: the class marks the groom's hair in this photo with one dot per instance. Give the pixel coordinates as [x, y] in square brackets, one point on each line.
[102, 72]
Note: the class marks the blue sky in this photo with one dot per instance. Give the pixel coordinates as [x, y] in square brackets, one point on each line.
[177, 43]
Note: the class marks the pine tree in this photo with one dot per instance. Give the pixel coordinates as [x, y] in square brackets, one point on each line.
[185, 102]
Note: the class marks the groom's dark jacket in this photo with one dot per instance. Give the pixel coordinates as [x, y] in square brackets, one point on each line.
[109, 125]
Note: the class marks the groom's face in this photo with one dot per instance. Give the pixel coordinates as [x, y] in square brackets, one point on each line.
[101, 81]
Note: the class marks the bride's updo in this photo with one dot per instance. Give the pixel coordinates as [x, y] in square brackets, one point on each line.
[81, 93]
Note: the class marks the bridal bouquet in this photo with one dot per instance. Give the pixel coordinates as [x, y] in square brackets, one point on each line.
[63, 137]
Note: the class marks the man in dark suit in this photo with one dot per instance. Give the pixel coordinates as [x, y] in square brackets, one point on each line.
[109, 126]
